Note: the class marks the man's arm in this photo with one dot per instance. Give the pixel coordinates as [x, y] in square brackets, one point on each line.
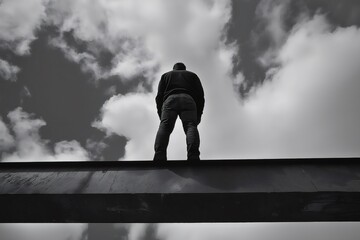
[200, 98]
[160, 95]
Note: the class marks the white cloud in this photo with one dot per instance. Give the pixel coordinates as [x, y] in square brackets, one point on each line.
[198, 231]
[6, 139]
[256, 231]
[135, 31]
[43, 231]
[306, 108]
[30, 147]
[19, 19]
[188, 32]
[310, 102]
[8, 71]
[137, 231]
[107, 25]
[69, 150]
[133, 117]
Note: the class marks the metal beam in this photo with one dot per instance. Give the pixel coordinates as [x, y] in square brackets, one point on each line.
[268, 190]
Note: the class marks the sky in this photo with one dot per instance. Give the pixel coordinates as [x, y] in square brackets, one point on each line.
[78, 79]
[179, 231]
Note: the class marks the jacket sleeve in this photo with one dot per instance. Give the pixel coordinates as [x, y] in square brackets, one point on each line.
[160, 95]
[200, 100]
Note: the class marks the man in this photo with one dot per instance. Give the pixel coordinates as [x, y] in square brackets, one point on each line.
[180, 93]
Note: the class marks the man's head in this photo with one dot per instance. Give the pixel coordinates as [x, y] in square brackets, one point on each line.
[179, 66]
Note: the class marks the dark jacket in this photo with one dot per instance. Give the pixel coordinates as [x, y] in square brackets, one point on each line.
[180, 81]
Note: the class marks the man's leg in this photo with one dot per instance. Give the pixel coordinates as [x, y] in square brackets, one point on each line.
[189, 120]
[192, 141]
[167, 123]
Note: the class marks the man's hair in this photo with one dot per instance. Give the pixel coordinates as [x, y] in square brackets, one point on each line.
[179, 66]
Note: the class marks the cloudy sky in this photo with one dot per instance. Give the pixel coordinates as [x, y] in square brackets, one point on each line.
[180, 231]
[78, 81]
[78, 78]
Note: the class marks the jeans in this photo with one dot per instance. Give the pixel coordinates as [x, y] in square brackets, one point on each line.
[183, 105]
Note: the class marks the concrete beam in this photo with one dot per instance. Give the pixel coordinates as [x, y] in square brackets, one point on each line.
[287, 190]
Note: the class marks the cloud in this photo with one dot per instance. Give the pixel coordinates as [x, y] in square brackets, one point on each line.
[174, 231]
[86, 60]
[107, 26]
[8, 71]
[131, 116]
[254, 231]
[307, 106]
[70, 150]
[191, 33]
[210, 231]
[28, 144]
[6, 139]
[271, 14]
[43, 231]
[137, 231]
[19, 20]
[132, 31]
[309, 102]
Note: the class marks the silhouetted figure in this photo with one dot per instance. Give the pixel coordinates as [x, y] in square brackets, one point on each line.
[180, 93]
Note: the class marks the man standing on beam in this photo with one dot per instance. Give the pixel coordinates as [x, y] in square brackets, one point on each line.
[179, 93]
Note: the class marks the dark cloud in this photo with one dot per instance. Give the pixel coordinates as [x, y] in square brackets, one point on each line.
[104, 56]
[105, 148]
[120, 231]
[61, 93]
[340, 13]
[151, 232]
[98, 231]
[247, 28]
[240, 30]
